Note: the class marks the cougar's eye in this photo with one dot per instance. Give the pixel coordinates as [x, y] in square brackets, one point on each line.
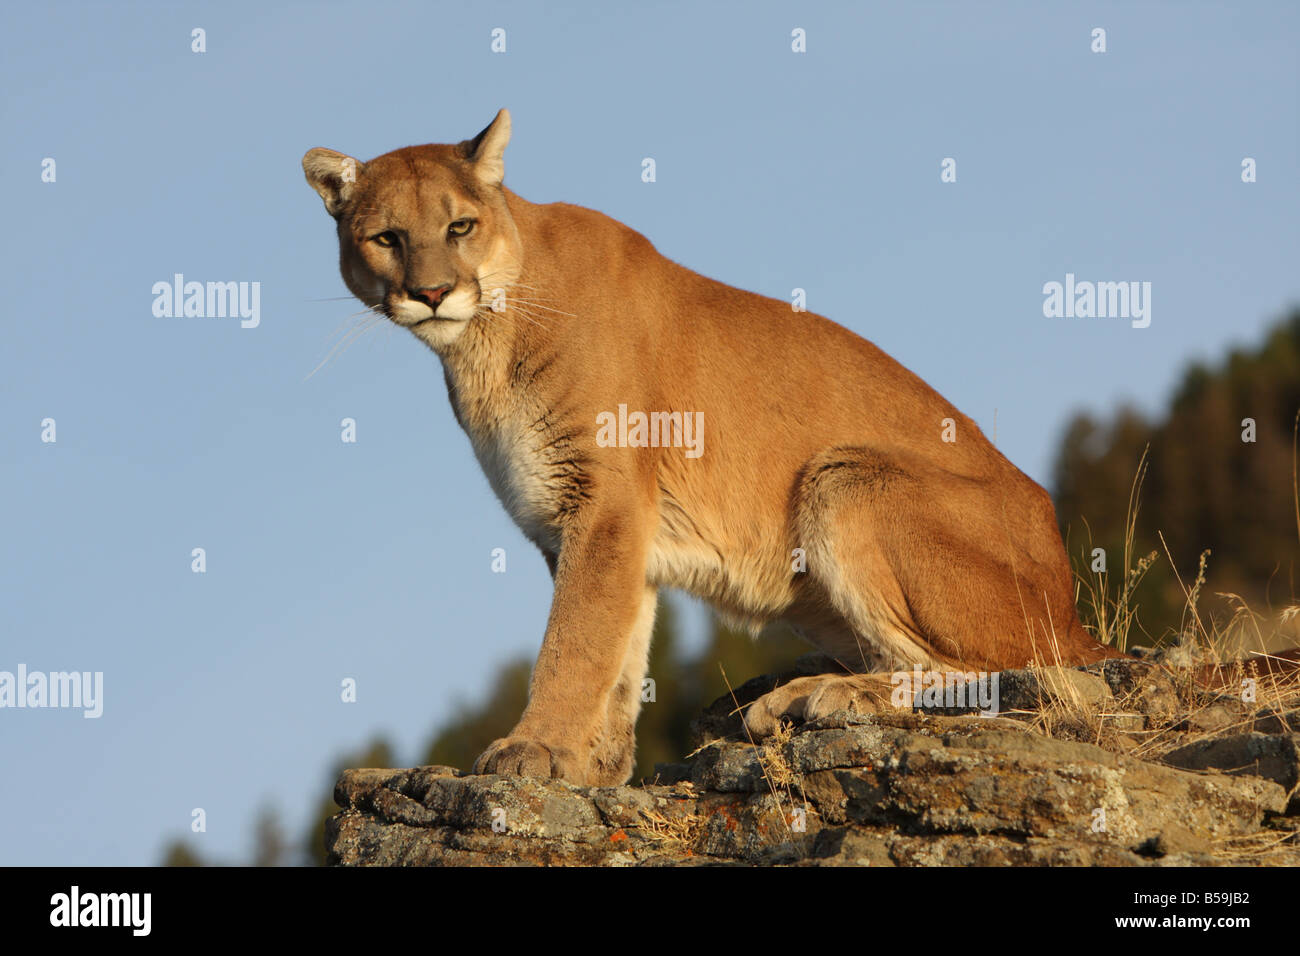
[460, 227]
[385, 239]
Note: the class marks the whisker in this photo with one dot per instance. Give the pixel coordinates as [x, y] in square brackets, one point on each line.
[537, 305]
[519, 314]
[348, 318]
[353, 334]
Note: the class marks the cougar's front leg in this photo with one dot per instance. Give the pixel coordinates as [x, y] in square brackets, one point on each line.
[599, 595]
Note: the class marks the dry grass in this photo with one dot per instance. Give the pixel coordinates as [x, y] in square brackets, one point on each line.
[1111, 618]
[1215, 682]
[781, 779]
[1211, 670]
[771, 754]
[683, 831]
[1262, 849]
[1064, 713]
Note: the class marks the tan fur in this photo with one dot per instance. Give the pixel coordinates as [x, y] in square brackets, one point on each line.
[919, 551]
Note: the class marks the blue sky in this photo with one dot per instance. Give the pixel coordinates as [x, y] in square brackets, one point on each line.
[371, 561]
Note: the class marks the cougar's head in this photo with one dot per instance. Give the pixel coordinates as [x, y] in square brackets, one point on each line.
[425, 234]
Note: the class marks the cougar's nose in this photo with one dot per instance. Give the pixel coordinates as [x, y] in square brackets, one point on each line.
[430, 296]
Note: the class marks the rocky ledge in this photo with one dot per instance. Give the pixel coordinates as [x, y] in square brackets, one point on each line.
[905, 788]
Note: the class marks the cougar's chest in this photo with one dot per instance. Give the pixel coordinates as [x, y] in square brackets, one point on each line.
[515, 442]
[512, 459]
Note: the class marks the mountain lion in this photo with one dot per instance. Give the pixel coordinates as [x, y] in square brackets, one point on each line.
[648, 427]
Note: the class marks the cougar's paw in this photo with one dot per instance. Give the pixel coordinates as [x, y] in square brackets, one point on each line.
[521, 757]
[809, 698]
[859, 693]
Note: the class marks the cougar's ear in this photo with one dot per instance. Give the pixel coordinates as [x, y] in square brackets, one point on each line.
[333, 175]
[487, 150]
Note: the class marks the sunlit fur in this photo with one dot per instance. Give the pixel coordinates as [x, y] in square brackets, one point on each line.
[918, 551]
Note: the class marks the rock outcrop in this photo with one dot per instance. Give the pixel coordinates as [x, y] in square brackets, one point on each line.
[906, 788]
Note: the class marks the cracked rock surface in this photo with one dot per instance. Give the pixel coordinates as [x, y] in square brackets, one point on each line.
[898, 789]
